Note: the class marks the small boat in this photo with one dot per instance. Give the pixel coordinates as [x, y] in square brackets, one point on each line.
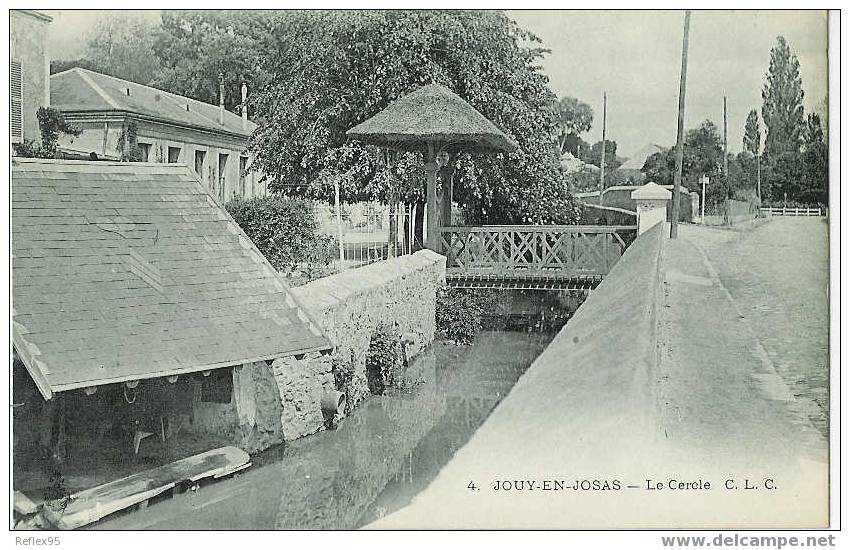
[93, 504]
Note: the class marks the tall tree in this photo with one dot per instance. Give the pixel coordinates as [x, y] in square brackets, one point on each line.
[121, 46]
[339, 68]
[815, 184]
[574, 118]
[782, 96]
[752, 145]
[752, 133]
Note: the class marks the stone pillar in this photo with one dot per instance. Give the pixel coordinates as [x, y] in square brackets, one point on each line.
[651, 202]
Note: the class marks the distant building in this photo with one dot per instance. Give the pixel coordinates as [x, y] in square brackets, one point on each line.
[169, 128]
[620, 196]
[29, 70]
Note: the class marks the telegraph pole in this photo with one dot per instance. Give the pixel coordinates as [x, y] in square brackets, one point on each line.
[602, 162]
[677, 177]
[725, 150]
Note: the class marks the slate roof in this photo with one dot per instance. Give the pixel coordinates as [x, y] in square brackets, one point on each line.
[79, 90]
[130, 271]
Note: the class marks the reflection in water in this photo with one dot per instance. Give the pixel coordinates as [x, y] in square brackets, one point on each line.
[378, 459]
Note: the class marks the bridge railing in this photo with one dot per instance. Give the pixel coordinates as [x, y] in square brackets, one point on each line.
[560, 251]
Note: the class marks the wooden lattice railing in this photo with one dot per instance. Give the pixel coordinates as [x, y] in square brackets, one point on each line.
[518, 251]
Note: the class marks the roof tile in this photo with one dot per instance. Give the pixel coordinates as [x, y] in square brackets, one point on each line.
[118, 283]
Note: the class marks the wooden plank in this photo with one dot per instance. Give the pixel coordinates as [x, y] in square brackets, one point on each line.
[93, 504]
[23, 505]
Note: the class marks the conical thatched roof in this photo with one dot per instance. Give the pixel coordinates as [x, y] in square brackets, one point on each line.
[432, 113]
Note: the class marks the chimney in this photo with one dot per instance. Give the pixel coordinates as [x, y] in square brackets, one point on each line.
[244, 106]
[221, 98]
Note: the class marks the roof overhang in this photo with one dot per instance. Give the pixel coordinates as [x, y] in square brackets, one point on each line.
[34, 14]
[109, 115]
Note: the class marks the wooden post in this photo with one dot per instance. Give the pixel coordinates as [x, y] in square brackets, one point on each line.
[392, 240]
[339, 223]
[433, 231]
[677, 177]
[602, 161]
[447, 186]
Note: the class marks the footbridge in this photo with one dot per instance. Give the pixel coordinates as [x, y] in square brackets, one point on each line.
[558, 257]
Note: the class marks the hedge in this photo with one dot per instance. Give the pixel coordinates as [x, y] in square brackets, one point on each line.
[286, 231]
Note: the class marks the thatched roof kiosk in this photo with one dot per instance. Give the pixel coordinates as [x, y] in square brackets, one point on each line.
[433, 120]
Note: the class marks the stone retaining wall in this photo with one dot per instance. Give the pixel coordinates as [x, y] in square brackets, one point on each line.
[281, 401]
[349, 306]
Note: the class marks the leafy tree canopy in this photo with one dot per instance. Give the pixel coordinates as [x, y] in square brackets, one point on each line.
[702, 154]
[337, 69]
[815, 180]
[574, 118]
[57, 66]
[121, 46]
[194, 47]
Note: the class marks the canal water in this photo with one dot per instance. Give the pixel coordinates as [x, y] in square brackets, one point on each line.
[384, 453]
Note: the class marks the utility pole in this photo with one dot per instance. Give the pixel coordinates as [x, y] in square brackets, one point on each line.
[677, 177]
[725, 150]
[602, 162]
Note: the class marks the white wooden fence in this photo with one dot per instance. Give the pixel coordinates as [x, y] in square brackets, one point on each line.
[767, 212]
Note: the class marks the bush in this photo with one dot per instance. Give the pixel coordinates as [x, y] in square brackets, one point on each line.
[51, 124]
[286, 231]
[383, 358]
[459, 313]
[343, 373]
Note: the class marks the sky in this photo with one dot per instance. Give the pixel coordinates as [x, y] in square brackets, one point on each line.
[635, 57]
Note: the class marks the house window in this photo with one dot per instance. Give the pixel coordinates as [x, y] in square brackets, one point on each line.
[243, 168]
[16, 91]
[173, 155]
[145, 152]
[222, 165]
[200, 156]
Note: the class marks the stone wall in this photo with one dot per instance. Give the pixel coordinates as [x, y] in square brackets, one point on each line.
[281, 401]
[349, 307]
[252, 417]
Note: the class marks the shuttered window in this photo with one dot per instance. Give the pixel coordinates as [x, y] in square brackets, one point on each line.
[17, 97]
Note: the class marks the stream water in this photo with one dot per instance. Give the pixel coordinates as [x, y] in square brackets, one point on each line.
[383, 454]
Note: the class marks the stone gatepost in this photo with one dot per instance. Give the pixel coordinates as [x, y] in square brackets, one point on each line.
[651, 202]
